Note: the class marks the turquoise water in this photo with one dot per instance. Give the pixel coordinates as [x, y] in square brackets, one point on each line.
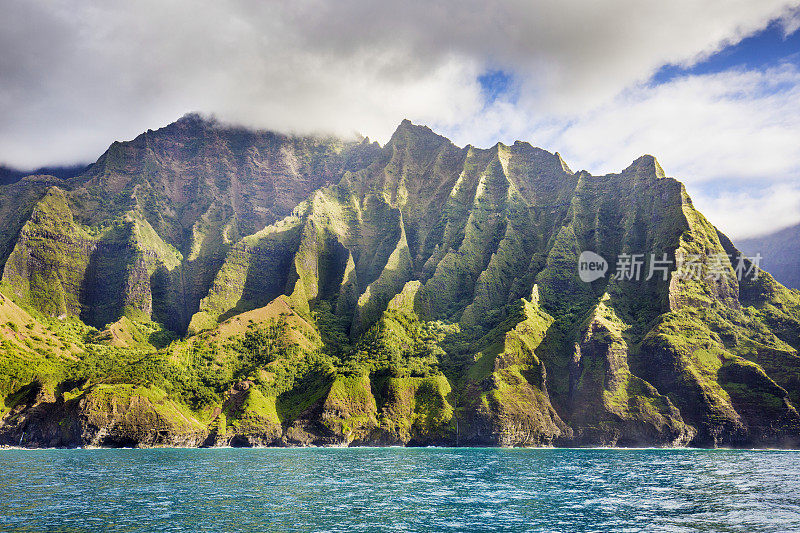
[399, 489]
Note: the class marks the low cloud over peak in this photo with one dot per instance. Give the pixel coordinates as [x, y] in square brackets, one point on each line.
[574, 77]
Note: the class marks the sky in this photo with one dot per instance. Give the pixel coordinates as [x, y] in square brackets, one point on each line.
[711, 88]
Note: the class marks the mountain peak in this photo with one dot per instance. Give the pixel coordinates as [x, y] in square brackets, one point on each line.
[408, 126]
[564, 164]
[330, 273]
[192, 116]
[408, 130]
[646, 165]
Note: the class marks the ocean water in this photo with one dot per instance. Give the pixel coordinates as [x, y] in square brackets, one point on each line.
[399, 489]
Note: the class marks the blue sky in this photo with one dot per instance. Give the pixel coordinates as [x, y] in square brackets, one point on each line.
[710, 88]
[767, 48]
[495, 84]
[744, 203]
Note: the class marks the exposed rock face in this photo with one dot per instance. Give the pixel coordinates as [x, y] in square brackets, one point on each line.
[105, 415]
[342, 293]
[608, 404]
[194, 188]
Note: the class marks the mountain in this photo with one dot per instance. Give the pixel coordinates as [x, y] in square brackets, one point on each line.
[12, 175]
[780, 252]
[211, 285]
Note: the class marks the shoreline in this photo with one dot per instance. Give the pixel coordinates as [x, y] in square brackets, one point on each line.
[312, 447]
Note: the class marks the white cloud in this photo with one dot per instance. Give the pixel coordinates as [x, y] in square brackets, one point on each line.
[790, 22]
[741, 215]
[730, 131]
[76, 75]
[736, 125]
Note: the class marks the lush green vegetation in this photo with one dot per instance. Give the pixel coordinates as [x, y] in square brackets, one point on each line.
[204, 284]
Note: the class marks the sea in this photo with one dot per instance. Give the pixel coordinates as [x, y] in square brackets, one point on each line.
[399, 489]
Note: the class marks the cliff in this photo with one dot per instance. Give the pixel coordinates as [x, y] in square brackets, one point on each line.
[210, 285]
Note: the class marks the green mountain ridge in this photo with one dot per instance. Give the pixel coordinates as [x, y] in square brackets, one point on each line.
[210, 285]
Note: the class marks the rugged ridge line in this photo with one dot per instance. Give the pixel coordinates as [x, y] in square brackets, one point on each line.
[210, 285]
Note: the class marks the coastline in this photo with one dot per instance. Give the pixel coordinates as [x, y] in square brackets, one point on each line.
[378, 447]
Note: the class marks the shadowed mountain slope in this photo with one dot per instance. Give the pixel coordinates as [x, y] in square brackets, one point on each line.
[216, 285]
